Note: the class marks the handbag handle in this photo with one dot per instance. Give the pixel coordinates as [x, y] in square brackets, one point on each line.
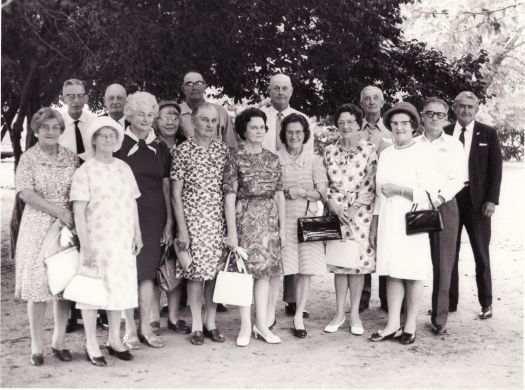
[414, 206]
[308, 202]
[241, 269]
[51, 243]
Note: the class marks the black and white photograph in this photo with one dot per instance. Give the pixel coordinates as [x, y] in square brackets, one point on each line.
[262, 194]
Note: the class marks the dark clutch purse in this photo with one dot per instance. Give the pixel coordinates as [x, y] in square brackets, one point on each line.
[166, 271]
[423, 221]
[322, 228]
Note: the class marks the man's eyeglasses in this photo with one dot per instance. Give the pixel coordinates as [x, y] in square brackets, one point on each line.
[196, 83]
[432, 114]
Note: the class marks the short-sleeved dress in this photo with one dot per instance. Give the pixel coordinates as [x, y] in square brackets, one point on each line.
[150, 163]
[258, 176]
[110, 190]
[352, 183]
[202, 169]
[51, 179]
[398, 255]
[304, 171]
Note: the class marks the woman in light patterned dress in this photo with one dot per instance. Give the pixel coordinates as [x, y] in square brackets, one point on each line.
[255, 216]
[104, 193]
[304, 181]
[196, 174]
[43, 181]
[351, 166]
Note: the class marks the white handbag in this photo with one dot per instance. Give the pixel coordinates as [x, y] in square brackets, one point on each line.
[87, 287]
[61, 266]
[234, 288]
[342, 253]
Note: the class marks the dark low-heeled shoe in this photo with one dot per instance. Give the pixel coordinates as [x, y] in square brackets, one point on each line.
[37, 359]
[122, 355]
[300, 333]
[62, 354]
[213, 334]
[179, 326]
[222, 308]
[197, 338]
[99, 361]
[378, 336]
[407, 338]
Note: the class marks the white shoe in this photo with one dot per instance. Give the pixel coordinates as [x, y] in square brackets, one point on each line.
[333, 328]
[271, 339]
[243, 341]
[357, 330]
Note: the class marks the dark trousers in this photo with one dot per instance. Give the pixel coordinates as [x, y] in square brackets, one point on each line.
[367, 291]
[443, 251]
[289, 289]
[478, 230]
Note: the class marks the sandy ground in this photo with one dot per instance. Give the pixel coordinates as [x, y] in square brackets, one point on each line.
[476, 354]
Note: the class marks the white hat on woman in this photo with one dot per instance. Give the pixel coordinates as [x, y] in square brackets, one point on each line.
[98, 123]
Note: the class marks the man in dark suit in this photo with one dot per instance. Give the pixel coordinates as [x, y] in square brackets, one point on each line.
[114, 101]
[478, 199]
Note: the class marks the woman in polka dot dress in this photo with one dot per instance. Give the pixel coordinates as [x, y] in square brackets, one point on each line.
[351, 167]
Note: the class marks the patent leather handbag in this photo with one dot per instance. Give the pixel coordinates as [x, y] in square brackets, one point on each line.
[423, 221]
[323, 228]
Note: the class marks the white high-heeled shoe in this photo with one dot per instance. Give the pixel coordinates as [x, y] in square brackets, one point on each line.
[333, 328]
[272, 339]
[243, 341]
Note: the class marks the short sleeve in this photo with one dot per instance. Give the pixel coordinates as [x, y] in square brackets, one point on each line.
[318, 171]
[178, 164]
[25, 177]
[231, 172]
[80, 185]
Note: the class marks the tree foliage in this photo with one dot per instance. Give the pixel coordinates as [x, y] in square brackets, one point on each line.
[330, 48]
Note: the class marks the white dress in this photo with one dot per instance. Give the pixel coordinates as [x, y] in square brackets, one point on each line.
[398, 255]
[110, 190]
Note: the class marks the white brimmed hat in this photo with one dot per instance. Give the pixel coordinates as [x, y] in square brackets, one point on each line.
[98, 123]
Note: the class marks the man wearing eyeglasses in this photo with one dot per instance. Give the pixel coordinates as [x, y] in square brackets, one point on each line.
[477, 200]
[451, 178]
[114, 101]
[194, 86]
[76, 119]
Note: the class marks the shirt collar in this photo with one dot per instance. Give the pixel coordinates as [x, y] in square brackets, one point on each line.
[185, 109]
[149, 139]
[287, 111]
[469, 128]
[69, 120]
[440, 138]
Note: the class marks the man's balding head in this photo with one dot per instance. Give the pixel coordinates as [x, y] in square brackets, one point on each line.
[280, 91]
[114, 100]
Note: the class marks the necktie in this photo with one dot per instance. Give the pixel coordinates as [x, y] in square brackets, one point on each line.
[78, 139]
[462, 136]
[278, 143]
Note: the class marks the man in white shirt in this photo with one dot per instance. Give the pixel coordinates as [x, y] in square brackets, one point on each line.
[114, 101]
[373, 129]
[451, 179]
[280, 90]
[76, 119]
[194, 86]
[477, 200]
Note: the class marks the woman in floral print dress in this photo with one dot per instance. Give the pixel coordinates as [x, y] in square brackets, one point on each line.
[255, 215]
[196, 174]
[351, 167]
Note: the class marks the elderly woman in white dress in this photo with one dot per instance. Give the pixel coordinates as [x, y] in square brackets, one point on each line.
[104, 193]
[405, 173]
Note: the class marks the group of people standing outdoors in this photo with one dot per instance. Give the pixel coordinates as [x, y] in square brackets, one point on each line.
[154, 174]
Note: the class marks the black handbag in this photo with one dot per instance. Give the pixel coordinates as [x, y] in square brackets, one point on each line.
[322, 228]
[423, 221]
[166, 271]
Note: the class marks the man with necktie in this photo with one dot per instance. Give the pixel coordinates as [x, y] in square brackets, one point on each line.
[478, 199]
[76, 119]
[280, 90]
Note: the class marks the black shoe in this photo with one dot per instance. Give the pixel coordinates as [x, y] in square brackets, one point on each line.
[377, 336]
[221, 308]
[439, 330]
[179, 327]
[213, 334]
[197, 338]
[289, 308]
[300, 333]
[485, 313]
[122, 355]
[37, 359]
[72, 326]
[63, 355]
[407, 338]
[99, 361]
